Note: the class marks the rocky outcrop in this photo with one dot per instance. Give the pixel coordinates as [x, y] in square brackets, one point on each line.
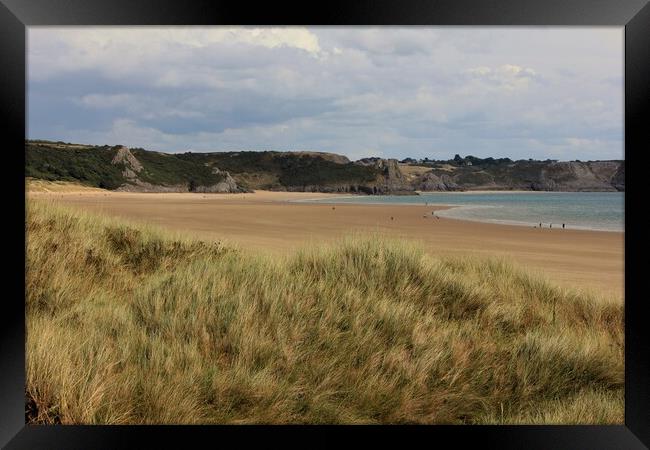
[578, 176]
[390, 180]
[570, 176]
[618, 179]
[432, 182]
[393, 182]
[227, 185]
[132, 167]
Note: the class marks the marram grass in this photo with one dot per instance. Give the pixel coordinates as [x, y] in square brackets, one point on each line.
[129, 324]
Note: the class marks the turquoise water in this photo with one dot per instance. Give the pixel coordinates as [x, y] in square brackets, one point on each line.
[578, 210]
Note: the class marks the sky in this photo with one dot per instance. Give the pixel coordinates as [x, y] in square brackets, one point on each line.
[393, 92]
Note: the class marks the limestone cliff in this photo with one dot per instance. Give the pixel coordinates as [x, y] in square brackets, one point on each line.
[137, 169]
[571, 176]
[390, 179]
[132, 168]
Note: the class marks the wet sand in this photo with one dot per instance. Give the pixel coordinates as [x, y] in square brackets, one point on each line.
[270, 221]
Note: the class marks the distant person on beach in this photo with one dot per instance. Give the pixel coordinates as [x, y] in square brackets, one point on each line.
[550, 225]
[563, 226]
[540, 224]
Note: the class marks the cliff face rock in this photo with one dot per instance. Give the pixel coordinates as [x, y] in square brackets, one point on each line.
[131, 168]
[573, 176]
[432, 182]
[385, 178]
[227, 185]
[131, 165]
[390, 180]
[394, 181]
[618, 179]
[578, 176]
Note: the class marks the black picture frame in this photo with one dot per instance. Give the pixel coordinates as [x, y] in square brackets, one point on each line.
[16, 15]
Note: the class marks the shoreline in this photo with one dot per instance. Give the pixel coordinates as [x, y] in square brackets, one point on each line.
[443, 207]
[504, 191]
[525, 224]
[273, 221]
[270, 196]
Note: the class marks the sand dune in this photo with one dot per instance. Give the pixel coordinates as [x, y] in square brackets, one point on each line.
[269, 221]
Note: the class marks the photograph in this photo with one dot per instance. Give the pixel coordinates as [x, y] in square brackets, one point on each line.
[325, 225]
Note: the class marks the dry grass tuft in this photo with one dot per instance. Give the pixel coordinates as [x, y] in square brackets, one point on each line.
[33, 185]
[127, 324]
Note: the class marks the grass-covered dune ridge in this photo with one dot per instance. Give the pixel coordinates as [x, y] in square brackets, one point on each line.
[128, 324]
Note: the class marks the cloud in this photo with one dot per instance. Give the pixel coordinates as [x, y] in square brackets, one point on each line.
[106, 101]
[395, 91]
[120, 51]
[509, 77]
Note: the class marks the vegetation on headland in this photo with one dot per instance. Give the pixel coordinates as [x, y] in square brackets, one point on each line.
[129, 324]
[89, 165]
[94, 166]
[295, 170]
[312, 171]
[170, 169]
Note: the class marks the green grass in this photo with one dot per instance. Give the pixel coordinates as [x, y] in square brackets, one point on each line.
[129, 324]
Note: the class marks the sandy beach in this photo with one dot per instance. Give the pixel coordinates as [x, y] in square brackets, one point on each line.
[270, 221]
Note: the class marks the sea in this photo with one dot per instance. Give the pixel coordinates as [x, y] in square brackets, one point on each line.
[577, 210]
